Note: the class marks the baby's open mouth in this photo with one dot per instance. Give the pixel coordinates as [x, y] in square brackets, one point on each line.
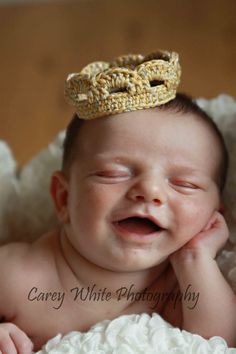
[138, 225]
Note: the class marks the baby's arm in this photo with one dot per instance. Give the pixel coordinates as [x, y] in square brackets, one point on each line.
[195, 267]
[12, 339]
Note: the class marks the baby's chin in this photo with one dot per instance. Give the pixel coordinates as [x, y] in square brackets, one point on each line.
[135, 264]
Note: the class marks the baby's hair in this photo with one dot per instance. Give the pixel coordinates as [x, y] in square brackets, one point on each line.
[181, 104]
[69, 144]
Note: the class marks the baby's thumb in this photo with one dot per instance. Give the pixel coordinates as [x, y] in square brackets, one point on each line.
[211, 222]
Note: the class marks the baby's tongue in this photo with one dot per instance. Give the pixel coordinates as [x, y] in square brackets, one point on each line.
[137, 225]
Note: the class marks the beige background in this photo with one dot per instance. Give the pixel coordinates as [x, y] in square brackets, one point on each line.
[41, 43]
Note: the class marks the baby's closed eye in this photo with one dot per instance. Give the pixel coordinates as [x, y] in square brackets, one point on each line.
[112, 176]
[184, 185]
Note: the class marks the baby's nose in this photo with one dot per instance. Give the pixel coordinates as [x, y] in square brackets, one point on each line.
[148, 191]
[143, 199]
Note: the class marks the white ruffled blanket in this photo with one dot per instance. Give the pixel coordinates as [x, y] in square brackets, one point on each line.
[26, 212]
[136, 334]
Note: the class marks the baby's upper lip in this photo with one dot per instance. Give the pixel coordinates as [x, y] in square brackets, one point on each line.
[141, 215]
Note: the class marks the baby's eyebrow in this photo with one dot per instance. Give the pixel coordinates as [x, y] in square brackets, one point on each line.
[190, 171]
[111, 158]
[186, 169]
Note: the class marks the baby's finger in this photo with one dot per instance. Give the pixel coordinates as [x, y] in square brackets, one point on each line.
[220, 222]
[22, 342]
[216, 221]
[7, 346]
[211, 221]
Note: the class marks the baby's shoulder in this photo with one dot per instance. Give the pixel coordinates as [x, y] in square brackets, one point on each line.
[12, 255]
[21, 261]
[21, 265]
[16, 264]
[12, 259]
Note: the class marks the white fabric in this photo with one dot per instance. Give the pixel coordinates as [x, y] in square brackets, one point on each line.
[136, 334]
[26, 212]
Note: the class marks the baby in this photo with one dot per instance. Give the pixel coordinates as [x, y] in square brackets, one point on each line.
[138, 200]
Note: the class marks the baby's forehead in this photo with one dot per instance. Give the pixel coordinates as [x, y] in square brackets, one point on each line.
[147, 120]
[148, 130]
[138, 131]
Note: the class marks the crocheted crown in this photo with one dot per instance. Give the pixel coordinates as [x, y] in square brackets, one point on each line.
[128, 83]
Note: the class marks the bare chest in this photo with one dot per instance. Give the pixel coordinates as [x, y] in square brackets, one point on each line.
[49, 311]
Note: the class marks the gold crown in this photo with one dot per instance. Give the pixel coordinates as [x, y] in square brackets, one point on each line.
[128, 83]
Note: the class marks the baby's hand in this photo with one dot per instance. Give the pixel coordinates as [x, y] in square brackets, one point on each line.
[13, 340]
[207, 242]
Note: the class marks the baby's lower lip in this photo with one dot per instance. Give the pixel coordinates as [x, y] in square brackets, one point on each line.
[132, 236]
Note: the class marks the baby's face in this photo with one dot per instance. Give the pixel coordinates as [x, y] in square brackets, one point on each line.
[142, 164]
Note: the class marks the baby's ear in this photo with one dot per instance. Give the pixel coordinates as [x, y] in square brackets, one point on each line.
[59, 193]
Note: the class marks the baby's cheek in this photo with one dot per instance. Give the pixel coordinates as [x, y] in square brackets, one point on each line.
[193, 216]
[98, 194]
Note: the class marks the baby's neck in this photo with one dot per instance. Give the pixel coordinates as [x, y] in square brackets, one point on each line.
[86, 274]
